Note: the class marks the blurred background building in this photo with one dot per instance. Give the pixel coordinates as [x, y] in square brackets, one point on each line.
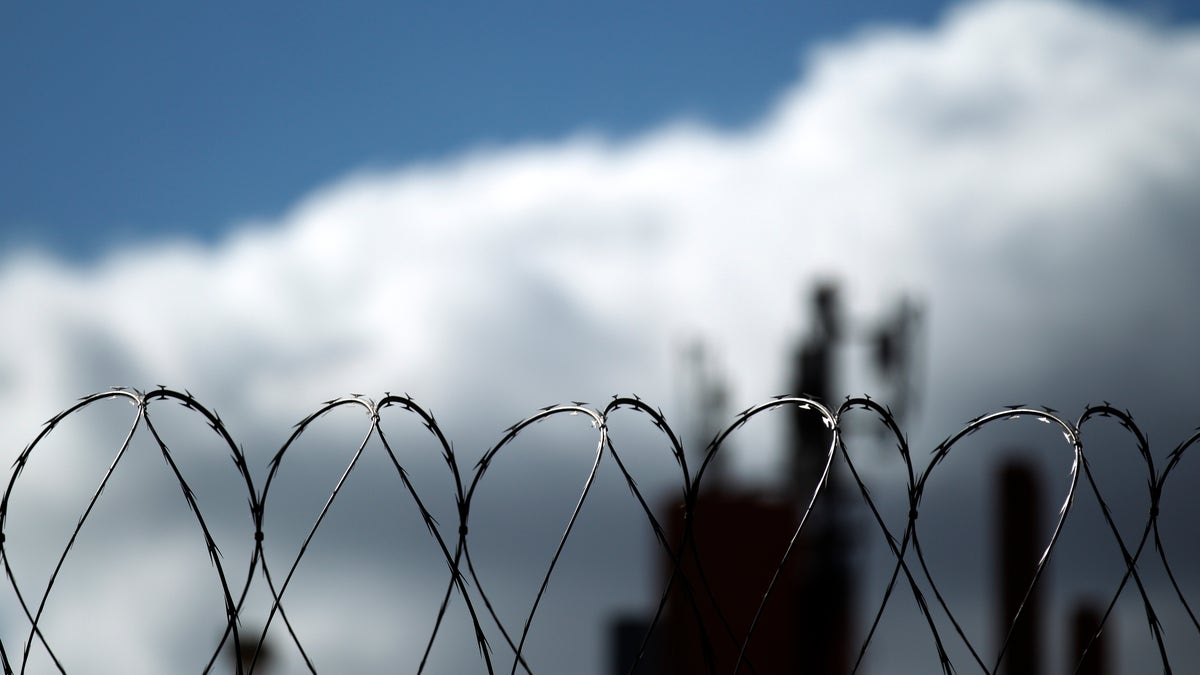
[741, 533]
[808, 624]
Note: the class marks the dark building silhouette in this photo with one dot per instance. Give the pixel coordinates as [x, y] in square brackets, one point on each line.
[807, 624]
[739, 536]
[739, 539]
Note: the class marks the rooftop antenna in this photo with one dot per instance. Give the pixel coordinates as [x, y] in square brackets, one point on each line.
[709, 396]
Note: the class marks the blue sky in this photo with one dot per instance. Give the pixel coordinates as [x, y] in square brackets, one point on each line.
[497, 209]
[134, 121]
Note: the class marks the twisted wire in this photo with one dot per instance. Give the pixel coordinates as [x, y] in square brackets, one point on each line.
[691, 581]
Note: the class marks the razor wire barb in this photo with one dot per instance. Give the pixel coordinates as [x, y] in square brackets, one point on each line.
[463, 583]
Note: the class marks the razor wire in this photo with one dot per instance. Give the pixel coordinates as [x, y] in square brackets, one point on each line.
[502, 646]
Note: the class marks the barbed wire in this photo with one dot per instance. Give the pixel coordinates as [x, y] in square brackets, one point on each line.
[687, 575]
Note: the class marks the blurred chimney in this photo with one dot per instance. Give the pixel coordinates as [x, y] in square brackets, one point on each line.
[246, 655]
[1085, 625]
[1018, 543]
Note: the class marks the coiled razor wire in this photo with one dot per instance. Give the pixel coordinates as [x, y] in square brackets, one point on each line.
[509, 641]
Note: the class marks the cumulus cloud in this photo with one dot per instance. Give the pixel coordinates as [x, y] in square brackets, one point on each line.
[1026, 169]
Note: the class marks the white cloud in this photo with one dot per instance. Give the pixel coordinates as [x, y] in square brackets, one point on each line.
[1028, 169]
